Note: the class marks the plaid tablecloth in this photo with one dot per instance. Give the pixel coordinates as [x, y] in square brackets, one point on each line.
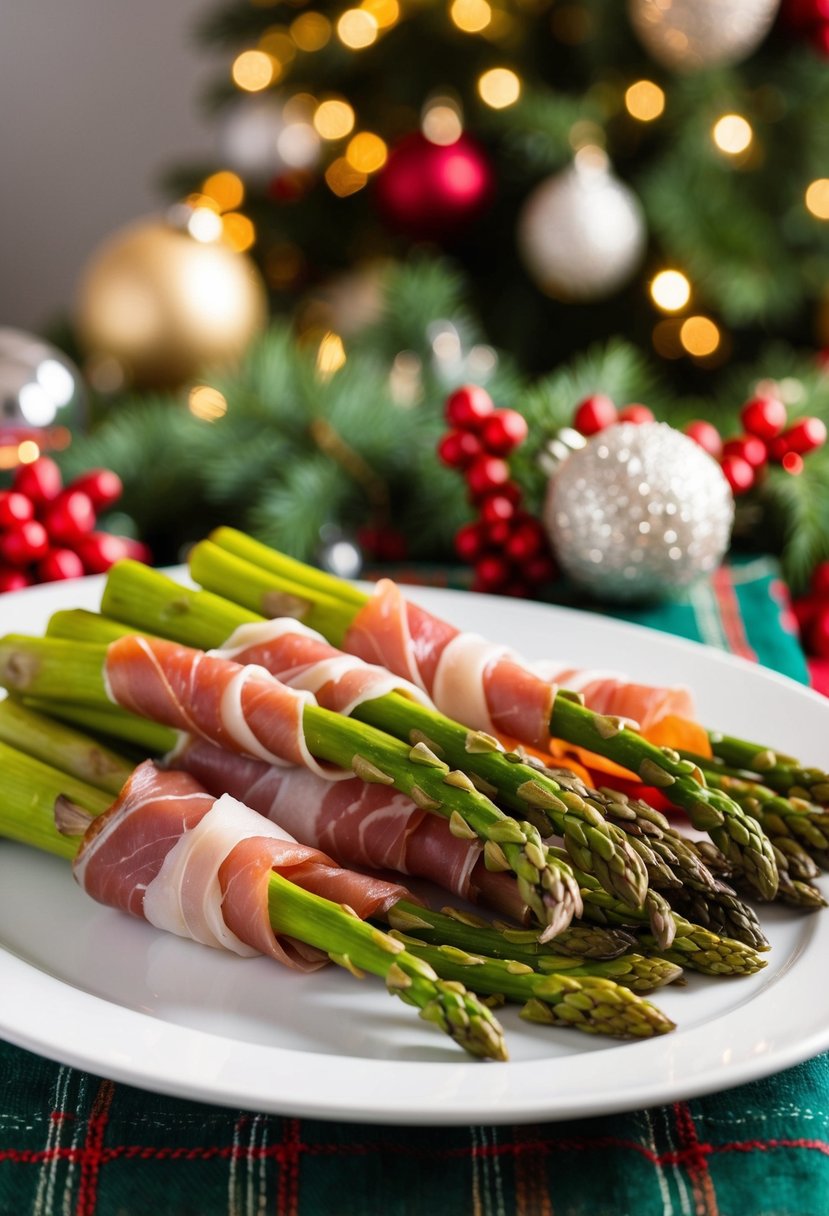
[72, 1144]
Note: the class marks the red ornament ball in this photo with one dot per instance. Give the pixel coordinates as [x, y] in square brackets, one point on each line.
[486, 474]
[594, 414]
[706, 435]
[457, 449]
[764, 417]
[749, 448]
[432, 190]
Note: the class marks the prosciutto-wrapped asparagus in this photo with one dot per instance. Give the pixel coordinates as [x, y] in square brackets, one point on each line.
[249, 711]
[485, 685]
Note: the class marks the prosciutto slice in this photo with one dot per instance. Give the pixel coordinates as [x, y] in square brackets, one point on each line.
[199, 866]
[301, 658]
[361, 825]
[242, 708]
[488, 686]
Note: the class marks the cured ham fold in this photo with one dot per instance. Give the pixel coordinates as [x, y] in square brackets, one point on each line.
[242, 708]
[361, 825]
[198, 866]
[487, 686]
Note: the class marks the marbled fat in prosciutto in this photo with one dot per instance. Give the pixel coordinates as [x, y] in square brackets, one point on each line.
[242, 708]
[488, 686]
[199, 866]
[302, 658]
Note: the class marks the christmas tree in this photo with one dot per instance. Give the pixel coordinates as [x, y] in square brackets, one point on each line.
[562, 199]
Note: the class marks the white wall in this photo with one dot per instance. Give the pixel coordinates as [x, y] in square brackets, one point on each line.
[97, 97]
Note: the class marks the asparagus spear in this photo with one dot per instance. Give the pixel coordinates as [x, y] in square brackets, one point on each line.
[735, 833]
[31, 791]
[592, 1004]
[73, 672]
[148, 600]
[785, 774]
[781, 817]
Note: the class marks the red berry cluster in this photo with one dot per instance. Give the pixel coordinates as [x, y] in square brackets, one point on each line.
[47, 530]
[766, 439]
[507, 545]
[599, 411]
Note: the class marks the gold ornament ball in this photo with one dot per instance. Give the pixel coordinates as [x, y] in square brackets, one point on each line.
[156, 307]
[687, 35]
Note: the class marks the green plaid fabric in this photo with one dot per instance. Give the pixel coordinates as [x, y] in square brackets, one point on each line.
[72, 1144]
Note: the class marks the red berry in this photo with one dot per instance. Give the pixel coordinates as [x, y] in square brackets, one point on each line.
[468, 406]
[59, 564]
[13, 580]
[594, 414]
[41, 480]
[137, 551]
[749, 447]
[100, 550]
[470, 542]
[23, 544]
[486, 474]
[805, 435]
[496, 507]
[804, 611]
[527, 541]
[492, 571]
[503, 431]
[498, 534]
[70, 515]
[706, 435]
[14, 508]
[820, 580]
[763, 416]
[636, 413]
[792, 463]
[738, 473]
[457, 449]
[102, 485]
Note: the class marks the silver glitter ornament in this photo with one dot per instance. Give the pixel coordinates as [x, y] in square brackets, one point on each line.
[687, 35]
[42, 396]
[639, 513]
[581, 233]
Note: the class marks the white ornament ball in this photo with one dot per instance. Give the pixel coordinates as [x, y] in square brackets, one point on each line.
[639, 513]
[581, 233]
[687, 35]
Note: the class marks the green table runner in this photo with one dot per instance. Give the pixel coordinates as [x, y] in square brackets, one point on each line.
[72, 1144]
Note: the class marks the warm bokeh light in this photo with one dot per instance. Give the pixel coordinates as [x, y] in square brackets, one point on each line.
[366, 152]
[334, 119]
[499, 87]
[206, 403]
[732, 134]
[471, 16]
[817, 198]
[441, 122]
[645, 100]
[254, 71]
[357, 29]
[311, 31]
[343, 179]
[385, 12]
[331, 355]
[238, 231]
[670, 290]
[225, 189]
[699, 336]
[279, 44]
[205, 225]
[28, 451]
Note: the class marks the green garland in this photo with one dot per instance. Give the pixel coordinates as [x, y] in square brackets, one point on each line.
[296, 450]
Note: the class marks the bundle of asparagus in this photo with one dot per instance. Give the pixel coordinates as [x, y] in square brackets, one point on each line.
[596, 997]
